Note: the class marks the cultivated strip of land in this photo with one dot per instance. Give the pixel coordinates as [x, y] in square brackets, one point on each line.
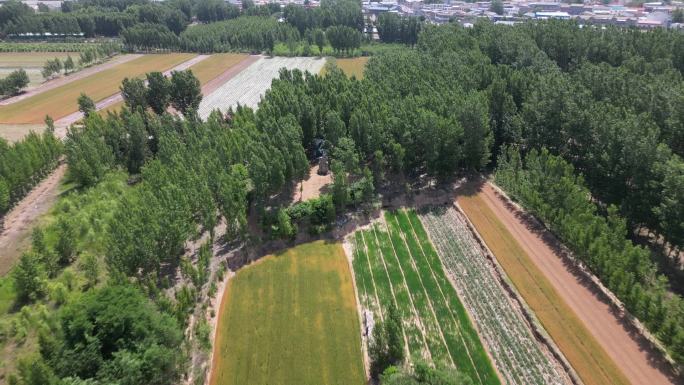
[60, 81]
[247, 87]
[588, 332]
[290, 318]
[392, 266]
[62, 101]
[111, 102]
[212, 72]
[518, 355]
[351, 66]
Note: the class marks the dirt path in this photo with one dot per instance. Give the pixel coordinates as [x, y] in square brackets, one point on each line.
[630, 352]
[313, 186]
[62, 124]
[70, 78]
[20, 221]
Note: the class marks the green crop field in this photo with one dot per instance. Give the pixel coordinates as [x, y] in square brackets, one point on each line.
[290, 319]
[394, 261]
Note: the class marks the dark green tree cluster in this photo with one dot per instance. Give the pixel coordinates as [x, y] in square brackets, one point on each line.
[343, 38]
[25, 163]
[106, 336]
[14, 82]
[182, 91]
[548, 186]
[95, 18]
[330, 13]
[393, 28]
[255, 33]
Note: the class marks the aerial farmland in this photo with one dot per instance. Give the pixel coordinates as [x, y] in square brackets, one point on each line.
[338, 193]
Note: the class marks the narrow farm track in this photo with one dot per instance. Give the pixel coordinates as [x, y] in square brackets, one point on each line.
[218, 81]
[19, 222]
[58, 82]
[630, 352]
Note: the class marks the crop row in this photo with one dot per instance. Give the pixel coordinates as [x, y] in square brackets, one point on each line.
[516, 352]
[394, 262]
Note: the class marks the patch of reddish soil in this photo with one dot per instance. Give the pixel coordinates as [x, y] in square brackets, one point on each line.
[631, 352]
[228, 74]
[50, 84]
[19, 222]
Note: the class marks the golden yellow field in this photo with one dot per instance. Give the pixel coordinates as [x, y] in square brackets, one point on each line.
[290, 319]
[351, 66]
[584, 353]
[62, 101]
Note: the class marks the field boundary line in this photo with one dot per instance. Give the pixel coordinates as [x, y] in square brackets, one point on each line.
[422, 327]
[370, 269]
[451, 311]
[394, 298]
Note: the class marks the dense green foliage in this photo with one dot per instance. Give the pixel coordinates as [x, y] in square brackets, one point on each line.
[607, 104]
[14, 82]
[423, 374]
[113, 335]
[548, 186]
[387, 345]
[393, 28]
[25, 163]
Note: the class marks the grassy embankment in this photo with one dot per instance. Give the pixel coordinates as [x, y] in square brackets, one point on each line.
[584, 353]
[290, 318]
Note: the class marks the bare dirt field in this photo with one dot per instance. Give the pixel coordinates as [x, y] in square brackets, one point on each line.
[19, 222]
[313, 186]
[630, 352]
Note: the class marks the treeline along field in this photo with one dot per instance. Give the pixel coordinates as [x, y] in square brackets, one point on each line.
[62, 100]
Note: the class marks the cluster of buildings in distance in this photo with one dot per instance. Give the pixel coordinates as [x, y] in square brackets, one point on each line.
[647, 15]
